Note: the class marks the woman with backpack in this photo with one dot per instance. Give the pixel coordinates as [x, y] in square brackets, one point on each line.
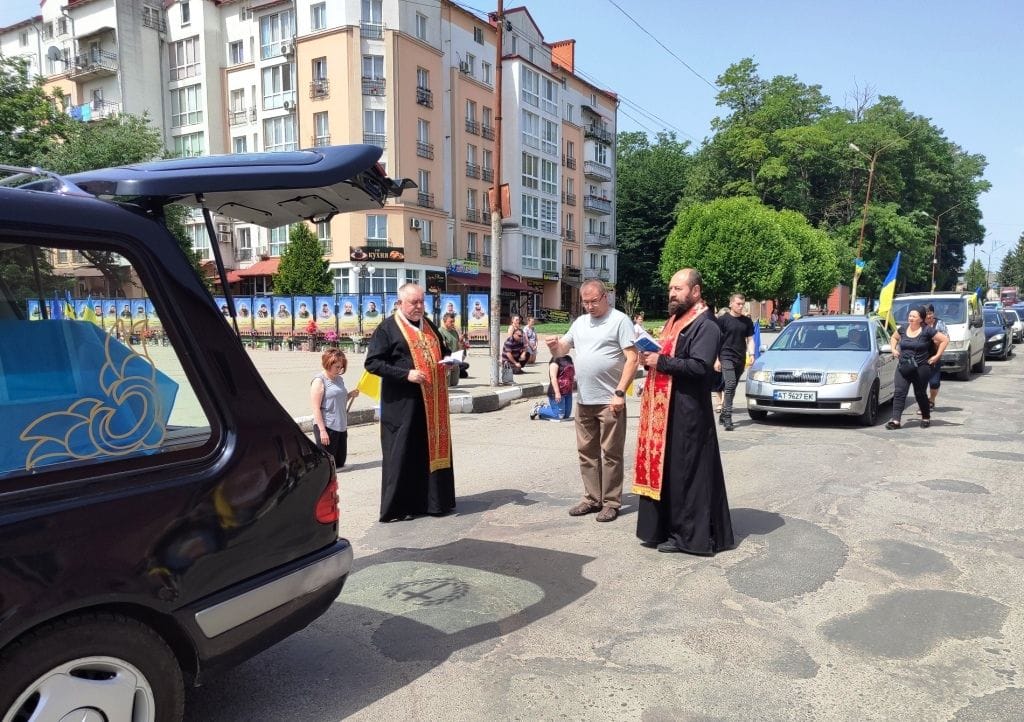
[559, 406]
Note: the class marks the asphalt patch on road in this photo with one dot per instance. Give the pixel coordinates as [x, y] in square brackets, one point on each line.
[910, 623]
[1004, 704]
[954, 485]
[999, 455]
[909, 560]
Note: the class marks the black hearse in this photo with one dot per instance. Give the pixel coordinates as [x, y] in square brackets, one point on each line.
[161, 515]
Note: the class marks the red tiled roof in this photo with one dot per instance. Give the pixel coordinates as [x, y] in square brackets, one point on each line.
[261, 268]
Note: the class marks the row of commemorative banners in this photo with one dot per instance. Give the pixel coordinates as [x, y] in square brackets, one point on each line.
[281, 315]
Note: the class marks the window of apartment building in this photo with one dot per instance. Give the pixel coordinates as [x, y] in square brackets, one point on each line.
[570, 149]
[531, 252]
[529, 52]
[593, 101]
[184, 58]
[512, 44]
[531, 86]
[570, 222]
[278, 85]
[423, 78]
[189, 145]
[318, 16]
[570, 186]
[62, 26]
[377, 230]
[323, 234]
[186, 13]
[487, 117]
[567, 258]
[243, 235]
[478, 35]
[373, 67]
[488, 160]
[470, 154]
[423, 181]
[531, 172]
[321, 129]
[23, 39]
[279, 134]
[549, 139]
[471, 249]
[549, 96]
[47, 31]
[592, 263]
[471, 110]
[601, 153]
[278, 240]
[422, 131]
[426, 232]
[470, 199]
[373, 126]
[186, 106]
[319, 68]
[604, 262]
[236, 52]
[200, 240]
[487, 250]
[239, 144]
[548, 215]
[570, 113]
[531, 212]
[549, 177]
[275, 30]
[548, 254]
[237, 100]
[531, 129]
[470, 63]
[487, 73]
[421, 26]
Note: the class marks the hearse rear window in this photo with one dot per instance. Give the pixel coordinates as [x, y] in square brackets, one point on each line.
[87, 373]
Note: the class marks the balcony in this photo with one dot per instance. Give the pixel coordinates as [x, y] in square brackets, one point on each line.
[373, 86]
[486, 263]
[94, 64]
[326, 246]
[472, 256]
[97, 110]
[598, 133]
[428, 250]
[569, 234]
[569, 199]
[570, 273]
[425, 97]
[425, 200]
[485, 216]
[379, 139]
[487, 174]
[597, 204]
[241, 117]
[598, 239]
[371, 31]
[321, 140]
[425, 150]
[243, 254]
[472, 126]
[601, 273]
[569, 162]
[319, 89]
[487, 132]
[597, 171]
[472, 170]
[472, 214]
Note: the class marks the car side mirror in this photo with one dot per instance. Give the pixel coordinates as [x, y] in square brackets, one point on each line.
[764, 347]
[885, 348]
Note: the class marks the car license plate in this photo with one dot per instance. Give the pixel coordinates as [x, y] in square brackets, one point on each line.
[796, 396]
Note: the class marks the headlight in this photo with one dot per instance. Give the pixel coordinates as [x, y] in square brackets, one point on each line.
[761, 375]
[841, 377]
[998, 337]
[957, 345]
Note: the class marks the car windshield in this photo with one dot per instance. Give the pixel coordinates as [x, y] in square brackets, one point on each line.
[949, 310]
[824, 336]
[1011, 316]
[994, 319]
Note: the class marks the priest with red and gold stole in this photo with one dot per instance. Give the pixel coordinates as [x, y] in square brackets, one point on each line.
[415, 432]
[678, 473]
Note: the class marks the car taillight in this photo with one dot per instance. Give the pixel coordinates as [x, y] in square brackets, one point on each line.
[327, 504]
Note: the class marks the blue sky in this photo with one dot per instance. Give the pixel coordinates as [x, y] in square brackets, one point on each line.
[955, 62]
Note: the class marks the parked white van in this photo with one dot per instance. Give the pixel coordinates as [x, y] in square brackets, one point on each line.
[961, 312]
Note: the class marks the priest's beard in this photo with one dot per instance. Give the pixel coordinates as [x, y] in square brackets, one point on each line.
[678, 308]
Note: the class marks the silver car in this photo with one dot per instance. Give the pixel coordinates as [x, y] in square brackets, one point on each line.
[838, 365]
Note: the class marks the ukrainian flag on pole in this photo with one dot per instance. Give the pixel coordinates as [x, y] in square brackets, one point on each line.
[797, 310]
[888, 290]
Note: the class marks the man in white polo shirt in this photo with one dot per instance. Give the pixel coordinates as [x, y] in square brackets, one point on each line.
[606, 362]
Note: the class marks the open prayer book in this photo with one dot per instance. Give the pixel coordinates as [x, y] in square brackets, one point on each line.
[646, 342]
[455, 358]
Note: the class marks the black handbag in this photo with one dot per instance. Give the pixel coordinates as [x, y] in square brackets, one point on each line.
[907, 364]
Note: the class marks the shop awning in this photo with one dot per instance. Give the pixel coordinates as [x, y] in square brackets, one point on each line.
[483, 280]
[261, 268]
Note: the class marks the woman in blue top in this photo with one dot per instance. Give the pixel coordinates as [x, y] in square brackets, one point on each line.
[912, 344]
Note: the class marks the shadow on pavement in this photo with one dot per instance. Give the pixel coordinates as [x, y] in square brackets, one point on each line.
[754, 522]
[402, 613]
[487, 500]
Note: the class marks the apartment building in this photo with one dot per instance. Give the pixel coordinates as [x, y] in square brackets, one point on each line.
[417, 79]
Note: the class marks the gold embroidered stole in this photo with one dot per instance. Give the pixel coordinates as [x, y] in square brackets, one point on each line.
[426, 355]
[654, 406]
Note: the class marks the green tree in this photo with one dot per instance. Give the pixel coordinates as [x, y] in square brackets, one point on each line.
[976, 276]
[819, 268]
[1011, 272]
[303, 269]
[31, 120]
[649, 181]
[738, 245]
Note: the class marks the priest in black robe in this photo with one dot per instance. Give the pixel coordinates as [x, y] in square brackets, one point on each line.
[415, 431]
[678, 473]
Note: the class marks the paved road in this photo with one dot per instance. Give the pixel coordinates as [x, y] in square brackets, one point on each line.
[878, 575]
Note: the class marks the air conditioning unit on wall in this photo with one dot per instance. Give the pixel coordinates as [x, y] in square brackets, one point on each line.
[288, 105]
[223, 228]
[415, 224]
[287, 49]
[464, 66]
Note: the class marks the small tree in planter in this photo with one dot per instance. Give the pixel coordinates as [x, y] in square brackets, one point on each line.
[303, 270]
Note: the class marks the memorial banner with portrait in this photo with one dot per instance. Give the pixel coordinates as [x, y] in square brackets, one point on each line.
[155, 324]
[262, 317]
[478, 320]
[452, 303]
[281, 308]
[222, 306]
[243, 312]
[325, 317]
[348, 315]
[391, 303]
[372, 315]
[304, 312]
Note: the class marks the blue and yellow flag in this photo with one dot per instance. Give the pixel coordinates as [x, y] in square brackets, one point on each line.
[888, 289]
[797, 310]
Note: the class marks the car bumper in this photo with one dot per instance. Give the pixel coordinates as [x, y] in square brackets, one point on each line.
[831, 400]
[996, 349]
[955, 361]
[239, 622]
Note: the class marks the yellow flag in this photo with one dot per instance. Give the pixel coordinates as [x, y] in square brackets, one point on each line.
[369, 385]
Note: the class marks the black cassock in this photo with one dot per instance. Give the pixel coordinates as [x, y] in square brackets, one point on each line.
[408, 486]
[693, 510]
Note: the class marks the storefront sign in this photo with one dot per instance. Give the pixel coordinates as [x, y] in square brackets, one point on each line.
[437, 281]
[550, 275]
[460, 265]
[377, 253]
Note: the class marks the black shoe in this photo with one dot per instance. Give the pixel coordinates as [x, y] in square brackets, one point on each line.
[669, 547]
[892, 425]
[925, 423]
[728, 426]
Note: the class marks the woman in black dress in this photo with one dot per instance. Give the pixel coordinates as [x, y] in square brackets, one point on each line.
[918, 348]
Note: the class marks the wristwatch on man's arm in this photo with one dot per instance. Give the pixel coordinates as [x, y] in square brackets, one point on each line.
[620, 393]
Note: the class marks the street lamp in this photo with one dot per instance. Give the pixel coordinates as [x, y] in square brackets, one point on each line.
[858, 265]
[935, 243]
[364, 270]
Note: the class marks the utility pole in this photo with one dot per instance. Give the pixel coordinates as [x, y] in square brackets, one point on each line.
[496, 207]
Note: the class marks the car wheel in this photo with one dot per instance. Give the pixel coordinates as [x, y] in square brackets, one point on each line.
[964, 374]
[86, 664]
[757, 414]
[979, 368]
[870, 415]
